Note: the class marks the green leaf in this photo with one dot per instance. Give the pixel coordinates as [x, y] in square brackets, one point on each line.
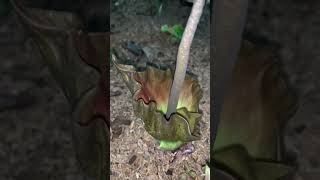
[165, 28]
[176, 30]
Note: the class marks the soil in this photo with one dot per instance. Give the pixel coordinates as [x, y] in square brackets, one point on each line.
[36, 140]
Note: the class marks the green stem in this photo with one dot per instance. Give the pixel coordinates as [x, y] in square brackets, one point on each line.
[183, 55]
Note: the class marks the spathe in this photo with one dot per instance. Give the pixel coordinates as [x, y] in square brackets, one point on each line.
[150, 87]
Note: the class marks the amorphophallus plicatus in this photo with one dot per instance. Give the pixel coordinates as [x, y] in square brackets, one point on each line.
[150, 88]
[167, 103]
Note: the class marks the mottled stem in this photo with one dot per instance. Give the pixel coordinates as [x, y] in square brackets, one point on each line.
[183, 55]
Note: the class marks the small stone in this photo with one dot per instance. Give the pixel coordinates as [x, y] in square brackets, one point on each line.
[299, 129]
[115, 93]
[160, 54]
[183, 176]
[169, 172]
[132, 159]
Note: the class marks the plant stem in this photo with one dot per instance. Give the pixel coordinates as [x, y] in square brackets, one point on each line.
[183, 55]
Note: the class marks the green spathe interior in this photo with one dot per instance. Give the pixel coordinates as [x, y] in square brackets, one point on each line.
[170, 145]
[163, 107]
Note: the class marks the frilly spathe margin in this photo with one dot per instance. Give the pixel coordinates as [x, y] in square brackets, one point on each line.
[150, 90]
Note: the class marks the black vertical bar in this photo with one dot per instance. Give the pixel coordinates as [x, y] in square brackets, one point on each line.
[108, 82]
